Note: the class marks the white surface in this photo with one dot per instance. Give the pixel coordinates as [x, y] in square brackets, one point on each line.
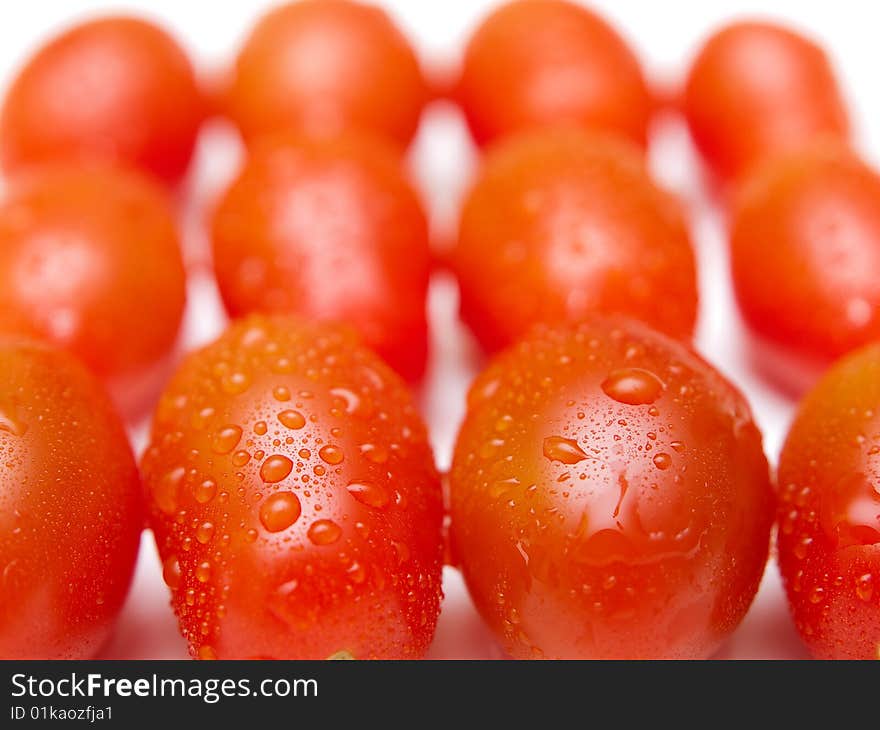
[666, 35]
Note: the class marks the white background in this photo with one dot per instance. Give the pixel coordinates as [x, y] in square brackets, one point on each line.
[665, 34]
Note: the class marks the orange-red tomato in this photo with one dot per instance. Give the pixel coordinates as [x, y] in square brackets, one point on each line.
[89, 259]
[805, 249]
[294, 499]
[538, 62]
[117, 89]
[829, 511]
[610, 497]
[330, 230]
[561, 223]
[324, 67]
[71, 511]
[757, 89]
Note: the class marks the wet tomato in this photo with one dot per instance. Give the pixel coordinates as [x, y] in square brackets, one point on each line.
[71, 511]
[610, 496]
[805, 246]
[117, 89]
[324, 67]
[294, 499]
[829, 511]
[757, 89]
[89, 259]
[538, 62]
[329, 230]
[561, 223]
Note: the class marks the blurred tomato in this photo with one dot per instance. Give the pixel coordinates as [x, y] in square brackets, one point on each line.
[294, 499]
[90, 259]
[610, 497]
[805, 249]
[117, 89]
[757, 89]
[561, 223]
[829, 511]
[70, 507]
[324, 67]
[331, 230]
[538, 62]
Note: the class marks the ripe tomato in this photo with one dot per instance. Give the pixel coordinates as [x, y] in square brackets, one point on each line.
[829, 511]
[757, 89]
[117, 88]
[538, 62]
[805, 248]
[70, 506]
[324, 67]
[294, 498]
[89, 259]
[610, 497]
[561, 223]
[331, 230]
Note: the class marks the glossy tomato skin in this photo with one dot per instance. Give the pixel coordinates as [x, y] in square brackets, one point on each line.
[561, 223]
[294, 498]
[324, 67]
[610, 496]
[805, 243]
[90, 260]
[755, 90]
[117, 89]
[71, 509]
[829, 511]
[534, 63]
[330, 230]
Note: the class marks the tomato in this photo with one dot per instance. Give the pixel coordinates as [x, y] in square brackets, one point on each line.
[829, 511]
[805, 243]
[71, 510]
[610, 496]
[325, 67]
[294, 498]
[538, 62]
[757, 89]
[115, 88]
[561, 223]
[89, 259]
[328, 229]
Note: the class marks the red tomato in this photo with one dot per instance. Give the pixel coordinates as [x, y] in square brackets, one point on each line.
[324, 67]
[538, 62]
[829, 511]
[330, 230]
[294, 499]
[755, 90]
[610, 497]
[89, 259]
[561, 223]
[805, 249]
[117, 89]
[70, 507]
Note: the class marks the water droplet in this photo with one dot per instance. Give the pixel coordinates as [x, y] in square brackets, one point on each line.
[171, 572]
[375, 453]
[344, 654]
[678, 446]
[205, 491]
[241, 457]
[275, 468]
[12, 425]
[662, 461]
[865, 587]
[260, 428]
[226, 439]
[292, 419]
[203, 571]
[331, 454]
[324, 532]
[351, 399]
[372, 495]
[207, 653]
[280, 511]
[356, 573]
[633, 386]
[167, 490]
[205, 532]
[817, 595]
[235, 383]
[557, 448]
[281, 393]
